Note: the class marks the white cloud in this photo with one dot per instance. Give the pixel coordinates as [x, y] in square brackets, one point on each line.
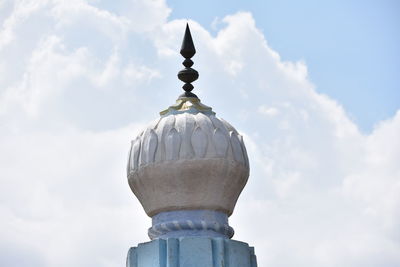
[21, 11]
[268, 111]
[64, 197]
[376, 179]
[320, 193]
[49, 69]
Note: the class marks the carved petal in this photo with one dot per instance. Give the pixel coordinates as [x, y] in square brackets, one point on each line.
[162, 131]
[237, 148]
[246, 158]
[199, 142]
[185, 125]
[151, 146]
[143, 151]
[221, 142]
[130, 161]
[135, 153]
[172, 145]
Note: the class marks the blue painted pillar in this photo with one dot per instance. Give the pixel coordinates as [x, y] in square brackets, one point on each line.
[192, 252]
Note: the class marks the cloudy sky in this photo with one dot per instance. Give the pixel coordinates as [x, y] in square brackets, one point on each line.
[313, 88]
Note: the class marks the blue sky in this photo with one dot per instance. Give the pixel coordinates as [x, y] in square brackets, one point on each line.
[312, 88]
[351, 47]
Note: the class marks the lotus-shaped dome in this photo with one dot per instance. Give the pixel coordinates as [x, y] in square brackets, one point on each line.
[188, 159]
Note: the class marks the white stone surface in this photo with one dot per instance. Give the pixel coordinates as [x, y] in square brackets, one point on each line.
[188, 161]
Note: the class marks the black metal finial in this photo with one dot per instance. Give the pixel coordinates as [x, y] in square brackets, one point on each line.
[188, 75]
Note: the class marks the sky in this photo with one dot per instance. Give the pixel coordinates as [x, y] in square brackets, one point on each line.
[312, 87]
[325, 34]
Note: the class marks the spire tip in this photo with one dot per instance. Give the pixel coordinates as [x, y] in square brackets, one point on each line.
[188, 75]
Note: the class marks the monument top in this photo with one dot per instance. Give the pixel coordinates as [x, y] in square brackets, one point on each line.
[188, 167]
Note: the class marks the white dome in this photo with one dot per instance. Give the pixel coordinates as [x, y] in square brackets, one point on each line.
[188, 159]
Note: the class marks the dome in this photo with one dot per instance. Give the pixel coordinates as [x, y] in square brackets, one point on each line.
[188, 159]
[188, 167]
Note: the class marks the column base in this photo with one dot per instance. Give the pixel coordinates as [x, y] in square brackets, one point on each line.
[192, 252]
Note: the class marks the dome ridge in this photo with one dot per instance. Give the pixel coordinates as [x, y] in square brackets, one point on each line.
[187, 104]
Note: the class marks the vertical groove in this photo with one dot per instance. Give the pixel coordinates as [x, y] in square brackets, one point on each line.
[162, 250]
[172, 252]
[218, 252]
[226, 252]
[178, 249]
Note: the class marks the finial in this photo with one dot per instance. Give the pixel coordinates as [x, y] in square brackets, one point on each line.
[188, 75]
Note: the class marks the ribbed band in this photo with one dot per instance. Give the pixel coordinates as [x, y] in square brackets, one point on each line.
[185, 223]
